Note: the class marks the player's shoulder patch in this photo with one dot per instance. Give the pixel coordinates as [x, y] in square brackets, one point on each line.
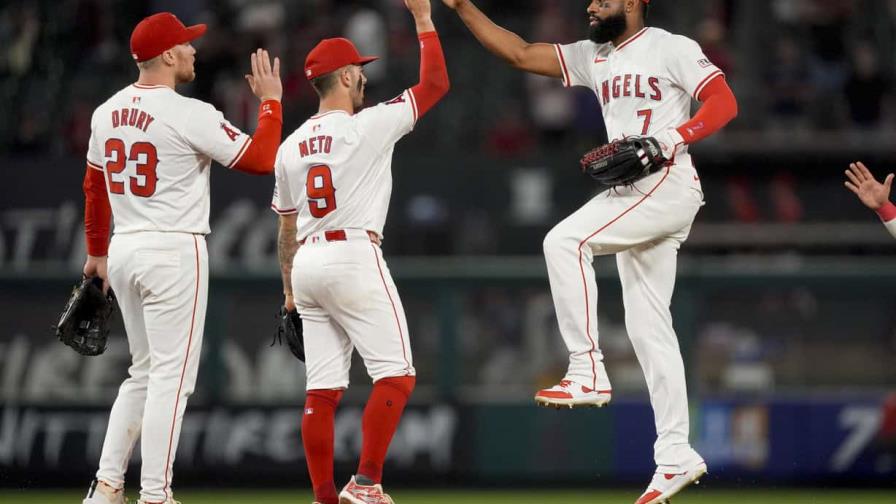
[398, 99]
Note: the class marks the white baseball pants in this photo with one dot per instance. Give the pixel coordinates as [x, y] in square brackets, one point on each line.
[347, 299]
[644, 226]
[161, 282]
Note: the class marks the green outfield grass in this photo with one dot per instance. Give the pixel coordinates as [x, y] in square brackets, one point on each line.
[692, 496]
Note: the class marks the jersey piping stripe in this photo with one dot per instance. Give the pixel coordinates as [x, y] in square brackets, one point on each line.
[404, 353]
[288, 211]
[414, 105]
[183, 370]
[706, 81]
[239, 154]
[566, 81]
[632, 38]
[94, 166]
[585, 284]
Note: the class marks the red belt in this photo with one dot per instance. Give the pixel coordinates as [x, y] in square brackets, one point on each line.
[339, 235]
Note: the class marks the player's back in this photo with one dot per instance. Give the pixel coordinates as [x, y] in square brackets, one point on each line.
[335, 170]
[151, 142]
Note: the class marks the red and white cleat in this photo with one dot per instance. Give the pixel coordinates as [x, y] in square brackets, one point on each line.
[570, 394]
[664, 486]
[354, 493]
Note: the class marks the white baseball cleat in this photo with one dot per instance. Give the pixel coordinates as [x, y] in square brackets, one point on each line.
[664, 486]
[103, 494]
[354, 493]
[570, 394]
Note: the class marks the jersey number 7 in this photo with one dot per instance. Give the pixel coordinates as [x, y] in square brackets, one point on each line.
[320, 191]
[145, 156]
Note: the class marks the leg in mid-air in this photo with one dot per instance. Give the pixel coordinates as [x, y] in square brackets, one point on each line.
[647, 273]
[609, 223]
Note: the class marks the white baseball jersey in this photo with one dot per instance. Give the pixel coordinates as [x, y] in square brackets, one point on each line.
[335, 171]
[645, 85]
[156, 148]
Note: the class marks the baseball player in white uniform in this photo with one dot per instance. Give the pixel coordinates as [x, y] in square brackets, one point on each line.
[148, 165]
[333, 185]
[645, 79]
[873, 194]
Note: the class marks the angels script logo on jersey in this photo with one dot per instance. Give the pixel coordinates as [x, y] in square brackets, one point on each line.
[629, 85]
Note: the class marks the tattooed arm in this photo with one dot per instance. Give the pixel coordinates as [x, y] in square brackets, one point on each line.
[286, 250]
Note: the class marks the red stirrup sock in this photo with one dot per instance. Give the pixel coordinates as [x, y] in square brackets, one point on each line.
[381, 417]
[317, 439]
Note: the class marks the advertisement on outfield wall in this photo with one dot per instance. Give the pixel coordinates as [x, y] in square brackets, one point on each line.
[775, 441]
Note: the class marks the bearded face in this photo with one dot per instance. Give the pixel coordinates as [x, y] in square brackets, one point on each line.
[359, 81]
[184, 59]
[607, 29]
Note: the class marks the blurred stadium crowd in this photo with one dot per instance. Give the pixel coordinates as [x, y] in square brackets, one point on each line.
[813, 77]
[799, 66]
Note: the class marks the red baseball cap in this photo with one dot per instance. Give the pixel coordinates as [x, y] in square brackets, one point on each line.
[160, 32]
[333, 54]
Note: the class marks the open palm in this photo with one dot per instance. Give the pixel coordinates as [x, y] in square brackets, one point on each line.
[872, 193]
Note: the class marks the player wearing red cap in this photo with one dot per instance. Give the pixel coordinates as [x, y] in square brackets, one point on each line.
[333, 184]
[645, 79]
[148, 165]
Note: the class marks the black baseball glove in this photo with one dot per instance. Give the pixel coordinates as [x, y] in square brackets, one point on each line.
[84, 323]
[624, 162]
[289, 326]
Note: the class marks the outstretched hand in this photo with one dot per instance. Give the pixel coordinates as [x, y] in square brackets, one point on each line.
[872, 193]
[265, 78]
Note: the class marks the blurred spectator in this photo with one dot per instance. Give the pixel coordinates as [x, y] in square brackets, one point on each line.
[742, 201]
[367, 29]
[788, 81]
[22, 28]
[866, 87]
[827, 22]
[785, 201]
[552, 106]
[510, 135]
[712, 36]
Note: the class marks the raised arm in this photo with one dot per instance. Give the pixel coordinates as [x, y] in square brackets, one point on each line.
[873, 194]
[434, 83]
[265, 83]
[535, 58]
[286, 251]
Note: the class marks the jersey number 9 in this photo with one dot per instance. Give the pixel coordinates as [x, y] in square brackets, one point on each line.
[320, 190]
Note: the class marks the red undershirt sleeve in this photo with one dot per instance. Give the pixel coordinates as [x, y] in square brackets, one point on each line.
[434, 82]
[97, 212]
[718, 109]
[258, 159]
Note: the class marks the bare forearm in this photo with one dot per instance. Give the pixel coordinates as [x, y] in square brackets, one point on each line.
[424, 24]
[286, 251]
[503, 43]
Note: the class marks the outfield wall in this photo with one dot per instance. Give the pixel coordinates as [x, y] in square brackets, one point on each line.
[789, 363]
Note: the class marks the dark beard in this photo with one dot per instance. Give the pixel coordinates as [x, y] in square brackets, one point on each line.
[608, 29]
